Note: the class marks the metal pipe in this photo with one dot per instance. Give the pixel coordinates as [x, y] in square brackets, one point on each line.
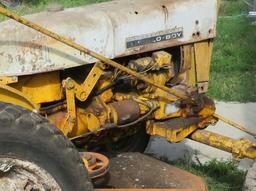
[105, 60]
[240, 148]
[234, 124]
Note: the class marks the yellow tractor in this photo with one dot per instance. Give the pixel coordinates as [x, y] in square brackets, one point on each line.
[104, 77]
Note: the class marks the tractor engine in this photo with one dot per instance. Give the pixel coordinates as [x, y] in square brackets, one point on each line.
[157, 77]
[122, 102]
[158, 68]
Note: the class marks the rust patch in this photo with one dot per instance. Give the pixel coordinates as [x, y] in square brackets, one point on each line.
[137, 171]
[166, 13]
[127, 111]
[158, 46]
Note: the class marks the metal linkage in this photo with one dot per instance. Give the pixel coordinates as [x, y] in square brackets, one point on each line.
[233, 124]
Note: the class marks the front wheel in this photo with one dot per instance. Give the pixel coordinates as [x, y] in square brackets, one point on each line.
[34, 155]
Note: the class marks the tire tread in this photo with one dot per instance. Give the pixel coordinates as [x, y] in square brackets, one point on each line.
[15, 117]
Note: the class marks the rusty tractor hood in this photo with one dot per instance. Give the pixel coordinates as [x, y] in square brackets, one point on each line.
[113, 29]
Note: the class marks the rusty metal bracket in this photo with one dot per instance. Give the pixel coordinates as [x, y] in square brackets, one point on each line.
[96, 164]
[176, 130]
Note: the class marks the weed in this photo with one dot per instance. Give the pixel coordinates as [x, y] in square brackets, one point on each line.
[219, 175]
[233, 74]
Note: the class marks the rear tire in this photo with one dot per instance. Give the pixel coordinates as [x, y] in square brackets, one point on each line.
[28, 137]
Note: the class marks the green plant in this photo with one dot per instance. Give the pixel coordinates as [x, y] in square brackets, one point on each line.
[233, 73]
[219, 175]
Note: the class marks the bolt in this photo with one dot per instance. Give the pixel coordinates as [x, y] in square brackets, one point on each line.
[69, 84]
[83, 95]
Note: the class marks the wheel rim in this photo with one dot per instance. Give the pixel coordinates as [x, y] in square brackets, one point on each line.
[16, 174]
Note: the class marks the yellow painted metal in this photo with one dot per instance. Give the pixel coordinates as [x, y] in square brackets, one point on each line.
[8, 79]
[234, 124]
[105, 60]
[162, 95]
[86, 122]
[240, 148]
[189, 63]
[162, 58]
[203, 54]
[203, 60]
[107, 95]
[94, 117]
[172, 135]
[187, 57]
[71, 118]
[30, 91]
[197, 62]
[93, 122]
[160, 114]
[160, 78]
[40, 88]
[160, 68]
[13, 96]
[175, 130]
[176, 134]
[83, 122]
[83, 91]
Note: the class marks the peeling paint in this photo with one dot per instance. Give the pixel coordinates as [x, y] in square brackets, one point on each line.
[103, 28]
